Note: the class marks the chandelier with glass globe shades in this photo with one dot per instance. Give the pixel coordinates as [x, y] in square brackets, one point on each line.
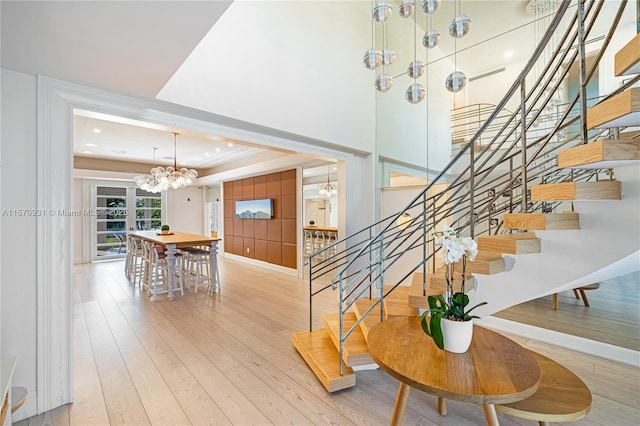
[162, 178]
[374, 58]
[327, 190]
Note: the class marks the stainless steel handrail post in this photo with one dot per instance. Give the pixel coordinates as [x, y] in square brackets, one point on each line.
[472, 173]
[523, 144]
[310, 293]
[582, 75]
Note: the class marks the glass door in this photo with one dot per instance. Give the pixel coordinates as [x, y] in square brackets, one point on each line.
[116, 210]
[148, 210]
[110, 228]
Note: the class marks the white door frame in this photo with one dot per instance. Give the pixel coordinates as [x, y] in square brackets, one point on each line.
[56, 102]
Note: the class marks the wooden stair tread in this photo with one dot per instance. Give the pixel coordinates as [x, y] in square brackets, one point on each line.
[602, 154]
[600, 190]
[355, 350]
[622, 110]
[485, 263]
[627, 60]
[438, 281]
[360, 307]
[542, 221]
[561, 396]
[397, 303]
[416, 299]
[518, 243]
[319, 352]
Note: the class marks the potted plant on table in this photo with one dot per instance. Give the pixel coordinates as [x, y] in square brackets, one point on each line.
[164, 229]
[449, 310]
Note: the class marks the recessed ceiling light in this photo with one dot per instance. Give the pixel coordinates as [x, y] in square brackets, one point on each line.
[334, 168]
[90, 144]
[508, 54]
[217, 149]
[229, 144]
[118, 151]
[206, 154]
[97, 131]
[87, 152]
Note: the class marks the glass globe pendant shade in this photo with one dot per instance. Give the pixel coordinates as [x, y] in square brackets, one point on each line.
[455, 81]
[372, 58]
[384, 82]
[431, 39]
[460, 26]
[415, 93]
[429, 7]
[416, 69]
[388, 56]
[382, 11]
[406, 8]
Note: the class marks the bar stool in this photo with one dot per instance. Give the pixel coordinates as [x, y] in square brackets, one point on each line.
[197, 267]
[134, 264]
[156, 278]
[308, 242]
[332, 238]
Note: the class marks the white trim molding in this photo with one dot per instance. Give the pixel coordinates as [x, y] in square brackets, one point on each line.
[56, 103]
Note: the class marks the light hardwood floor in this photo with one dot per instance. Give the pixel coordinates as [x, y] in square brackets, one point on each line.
[612, 317]
[228, 359]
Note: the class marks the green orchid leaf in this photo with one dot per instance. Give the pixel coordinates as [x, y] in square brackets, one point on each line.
[425, 324]
[436, 330]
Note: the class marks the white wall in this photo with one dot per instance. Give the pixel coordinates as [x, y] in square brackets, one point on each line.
[185, 210]
[289, 65]
[19, 260]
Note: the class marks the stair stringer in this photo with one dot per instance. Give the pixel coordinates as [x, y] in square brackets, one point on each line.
[610, 233]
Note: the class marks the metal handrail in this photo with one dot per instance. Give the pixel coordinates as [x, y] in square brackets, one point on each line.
[517, 156]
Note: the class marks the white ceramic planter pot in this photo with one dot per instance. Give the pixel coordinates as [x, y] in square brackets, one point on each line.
[457, 335]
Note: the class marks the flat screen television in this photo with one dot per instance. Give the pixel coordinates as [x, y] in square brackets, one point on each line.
[254, 209]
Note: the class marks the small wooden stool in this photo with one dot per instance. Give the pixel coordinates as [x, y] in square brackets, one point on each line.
[581, 293]
[561, 396]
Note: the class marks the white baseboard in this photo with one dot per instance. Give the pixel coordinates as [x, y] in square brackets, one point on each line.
[262, 264]
[574, 343]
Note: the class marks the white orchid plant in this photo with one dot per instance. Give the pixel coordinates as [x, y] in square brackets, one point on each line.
[452, 305]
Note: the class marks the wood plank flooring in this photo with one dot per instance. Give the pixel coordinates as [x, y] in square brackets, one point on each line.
[228, 359]
[613, 316]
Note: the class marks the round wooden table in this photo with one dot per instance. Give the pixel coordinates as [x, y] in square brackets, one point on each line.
[495, 369]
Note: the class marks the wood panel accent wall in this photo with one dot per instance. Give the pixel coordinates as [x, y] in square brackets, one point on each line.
[268, 240]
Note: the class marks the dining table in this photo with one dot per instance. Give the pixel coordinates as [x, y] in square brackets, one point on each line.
[177, 240]
[494, 370]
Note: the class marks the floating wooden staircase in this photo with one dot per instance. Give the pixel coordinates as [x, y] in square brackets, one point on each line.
[600, 190]
[319, 348]
[542, 221]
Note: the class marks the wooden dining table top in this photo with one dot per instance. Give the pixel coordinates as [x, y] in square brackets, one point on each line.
[494, 370]
[180, 239]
